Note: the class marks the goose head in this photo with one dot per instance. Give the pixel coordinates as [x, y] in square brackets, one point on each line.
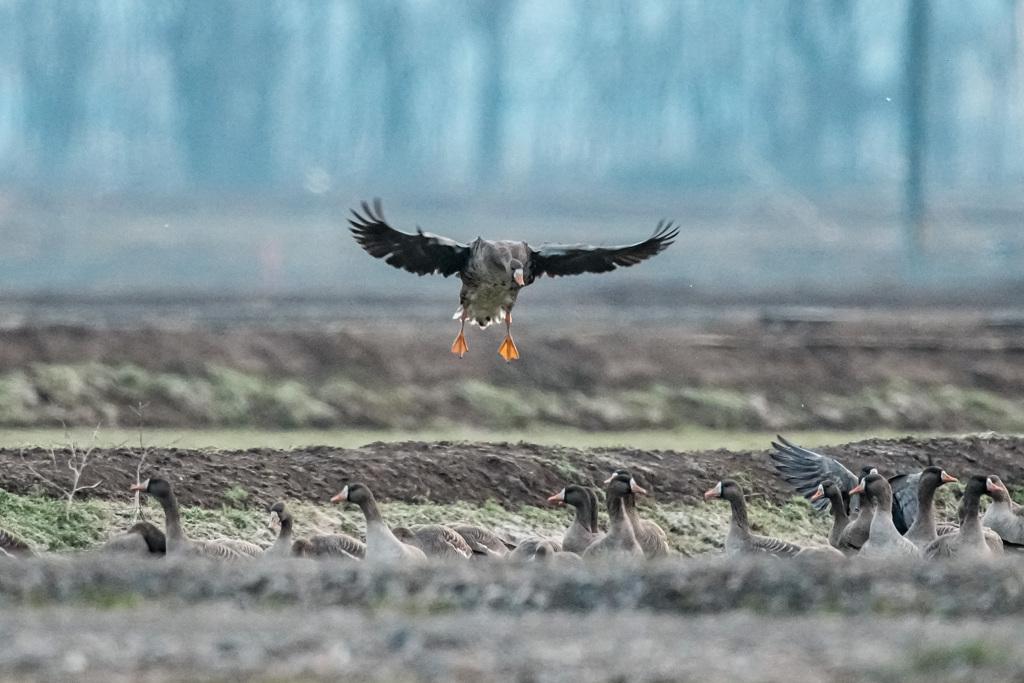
[278, 514]
[624, 476]
[154, 486]
[353, 493]
[995, 488]
[726, 490]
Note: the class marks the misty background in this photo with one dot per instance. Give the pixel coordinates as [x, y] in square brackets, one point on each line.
[864, 151]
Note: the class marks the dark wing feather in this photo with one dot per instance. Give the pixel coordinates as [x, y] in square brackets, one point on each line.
[573, 259]
[806, 469]
[420, 253]
[904, 500]
[773, 546]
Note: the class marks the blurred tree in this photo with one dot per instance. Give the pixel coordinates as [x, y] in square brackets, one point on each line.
[56, 47]
[490, 19]
[915, 125]
[225, 58]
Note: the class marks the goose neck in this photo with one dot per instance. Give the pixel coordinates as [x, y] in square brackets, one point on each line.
[172, 519]
[740, 523]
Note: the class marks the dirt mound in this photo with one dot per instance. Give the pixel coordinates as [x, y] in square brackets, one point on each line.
[510, 474]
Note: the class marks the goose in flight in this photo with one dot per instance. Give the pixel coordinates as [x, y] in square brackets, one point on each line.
[492, 273]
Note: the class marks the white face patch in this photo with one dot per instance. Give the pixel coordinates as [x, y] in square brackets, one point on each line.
[344, 493]
[274, 518]
[719, 488]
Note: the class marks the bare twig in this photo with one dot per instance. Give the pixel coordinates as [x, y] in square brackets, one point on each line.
[77, 462]
[144, 451]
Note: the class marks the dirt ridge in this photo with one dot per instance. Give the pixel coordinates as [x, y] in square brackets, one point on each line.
[512, 474]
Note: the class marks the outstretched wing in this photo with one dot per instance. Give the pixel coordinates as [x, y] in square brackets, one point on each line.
[420, 253]
[806, 469]
[573, 259]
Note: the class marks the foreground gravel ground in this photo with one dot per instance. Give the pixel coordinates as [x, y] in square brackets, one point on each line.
[226, 642]
[94, 617]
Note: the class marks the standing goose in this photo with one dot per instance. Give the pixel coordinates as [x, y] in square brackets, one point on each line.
[320, 546]
[651, 537]
[492, 273]
[805, 469]
[13, 546]
[969, 541]
[856, 533]
[177, 542]
[829, 490]
[923, 531]
[435, 540]
[621, 537]
[483, 542]
[381, 544]
[1003, 516]
[583, 531]
[884, 540]
[739, 540]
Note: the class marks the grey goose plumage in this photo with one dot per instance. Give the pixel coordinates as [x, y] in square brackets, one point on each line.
[178, 543]
[320, 546]
[12, 546]
[805, 470]
[829, 491]
[620, 540]
[483, 542]
[1003, 515]
[493, 272]
[924, 530]
[884, 539]
[435, 540]
[739, 540]
[651, 537]
[381, 543]
[584, 530]
[969, 541]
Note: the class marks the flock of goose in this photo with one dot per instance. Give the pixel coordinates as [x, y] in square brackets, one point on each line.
[867, 514]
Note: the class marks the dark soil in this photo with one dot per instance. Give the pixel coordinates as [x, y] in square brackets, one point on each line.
[511, 474]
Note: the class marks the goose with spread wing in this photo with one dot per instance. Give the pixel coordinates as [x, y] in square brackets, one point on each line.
[493, 272]
[805, 470]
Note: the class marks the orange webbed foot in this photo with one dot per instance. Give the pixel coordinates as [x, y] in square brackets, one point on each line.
[459, 346]
[508, 349]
